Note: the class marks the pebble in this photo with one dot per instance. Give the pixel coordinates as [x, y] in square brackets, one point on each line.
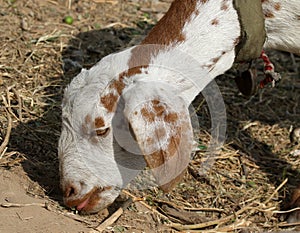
[24, 24]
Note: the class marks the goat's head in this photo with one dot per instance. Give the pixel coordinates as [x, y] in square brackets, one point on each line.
[108, 120]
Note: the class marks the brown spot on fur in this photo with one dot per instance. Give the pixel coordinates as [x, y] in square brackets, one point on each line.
[215, 22]
[216, 59]
[88, 119]
[86, 124]
[171, 117]
[237, 41]
[132, 71]
[159, 110]
[149, 116]
[99, 122]
[156, 158]
[175, 19]
[149, 140]
[118, 85]
[224, 6]
[277, 6]
[174, 144]
[140, 58]
[155, 102]
[159, 157]
[95, 198]
[268, 14]
[203, 1]
[161, 36]
[109, 101]
[213, 62]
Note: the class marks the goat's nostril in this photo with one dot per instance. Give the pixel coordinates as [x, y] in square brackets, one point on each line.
[70, 191]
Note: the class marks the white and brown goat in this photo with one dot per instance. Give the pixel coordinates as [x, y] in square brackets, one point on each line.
[156, 81]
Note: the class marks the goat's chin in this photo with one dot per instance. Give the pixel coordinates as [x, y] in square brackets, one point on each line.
[101, 202]
[93, 201]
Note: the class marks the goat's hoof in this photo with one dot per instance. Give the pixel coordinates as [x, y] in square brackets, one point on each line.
[247, 82]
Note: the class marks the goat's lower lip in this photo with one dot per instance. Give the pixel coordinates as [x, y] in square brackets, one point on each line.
[83, 204]
[88, 201]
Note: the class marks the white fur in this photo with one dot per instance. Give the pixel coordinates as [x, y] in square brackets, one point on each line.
[87, 160]
[283, 30]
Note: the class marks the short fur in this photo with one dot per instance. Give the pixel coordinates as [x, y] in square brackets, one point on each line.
[156, 84]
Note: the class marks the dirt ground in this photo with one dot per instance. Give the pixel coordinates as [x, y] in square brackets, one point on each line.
[249, 184]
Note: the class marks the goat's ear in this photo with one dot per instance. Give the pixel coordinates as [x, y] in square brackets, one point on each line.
[162, 128]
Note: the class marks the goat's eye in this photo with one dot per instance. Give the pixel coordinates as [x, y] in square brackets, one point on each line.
[102, 132]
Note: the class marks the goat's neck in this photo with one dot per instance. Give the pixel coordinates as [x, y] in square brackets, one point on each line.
[192, 44]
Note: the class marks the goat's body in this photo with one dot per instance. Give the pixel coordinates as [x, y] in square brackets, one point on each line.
[190, 61]
[282, 20]
[192, 44]
[210, 37]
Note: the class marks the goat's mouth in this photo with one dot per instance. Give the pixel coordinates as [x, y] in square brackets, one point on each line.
[89, 202]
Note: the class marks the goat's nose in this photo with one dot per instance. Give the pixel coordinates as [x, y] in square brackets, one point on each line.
[69, 191]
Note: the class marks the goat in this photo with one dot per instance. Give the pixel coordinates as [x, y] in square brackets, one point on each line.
[156, 81]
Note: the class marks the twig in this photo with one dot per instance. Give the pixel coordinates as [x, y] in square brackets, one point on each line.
[285, 211]
[276, 190]
[114, 217]
[142, 202]
[3, 153]
[11, 205]
[8, 132]
[116, 24]
[230, 228]
[205, 209]
[19, 103]
[288, 224]
[263, 205]
[113, 2]
[190, 208]
[210, 223]
[7, 103]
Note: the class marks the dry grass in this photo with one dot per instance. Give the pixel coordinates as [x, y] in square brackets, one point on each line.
[253, 175]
